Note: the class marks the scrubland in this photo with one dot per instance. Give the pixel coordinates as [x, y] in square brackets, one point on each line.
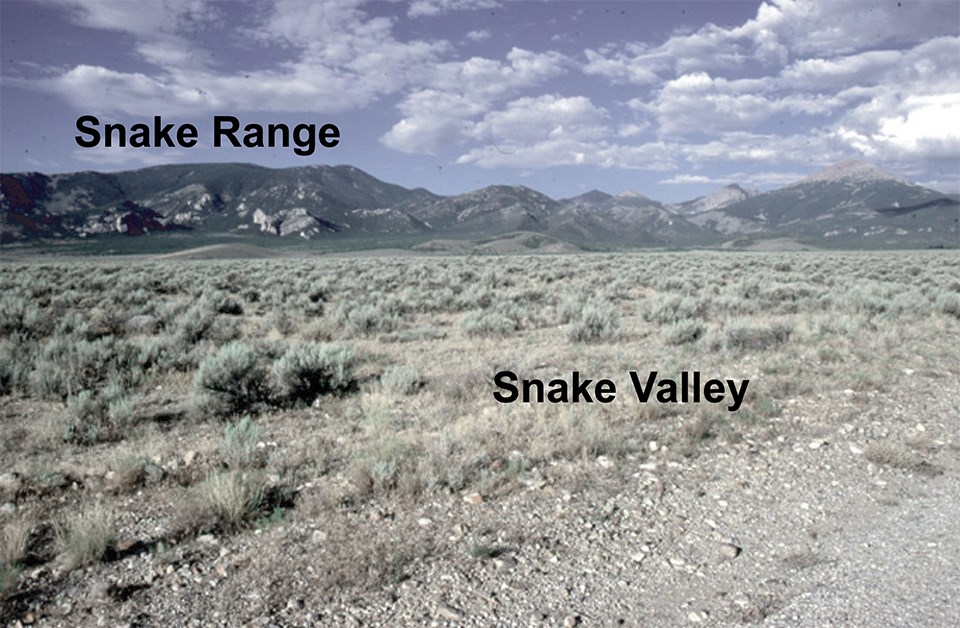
[315, 441]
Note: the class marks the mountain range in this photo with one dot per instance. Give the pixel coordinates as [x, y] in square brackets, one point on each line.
[850, 204]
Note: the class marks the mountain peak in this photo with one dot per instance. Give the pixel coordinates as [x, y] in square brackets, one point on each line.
[850, 170]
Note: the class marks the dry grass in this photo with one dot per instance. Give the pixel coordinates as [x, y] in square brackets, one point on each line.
[85, 538]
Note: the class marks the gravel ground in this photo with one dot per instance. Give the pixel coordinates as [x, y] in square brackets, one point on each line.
[792, 525]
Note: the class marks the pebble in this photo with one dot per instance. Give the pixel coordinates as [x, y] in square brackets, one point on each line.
[604, 462]
[8, 508]
[473, 498]
[448, 612]
[423, 522]
[729, 551]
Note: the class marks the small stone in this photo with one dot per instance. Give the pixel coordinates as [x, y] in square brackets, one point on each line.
[604, 462]
[571, 621]
[638, 557]
[448, 612]
[856, 449]
[10, 484]
[318, 537]
[8, 508]
[677, 562]
[817, 444]
[207, 539]
[694, 617]
[729, 551]
[221, 570]
[504, 562]
[423, 522]
[126, 545]
[653, 445]
[473, 498]
[189, 457]
[154, 473]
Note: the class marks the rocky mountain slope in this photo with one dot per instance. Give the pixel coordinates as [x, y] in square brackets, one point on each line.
[849, 204]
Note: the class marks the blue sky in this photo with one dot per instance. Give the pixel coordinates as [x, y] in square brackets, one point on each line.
[670, 99]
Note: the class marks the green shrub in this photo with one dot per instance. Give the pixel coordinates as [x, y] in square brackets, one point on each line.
[239, 445]
[671, 308]
[401, 380]
[308, 371]
[95, 416]
[684, 332]
[231, 381]
[746, 335]
[948, 303]
[597, 322]
[488, 323]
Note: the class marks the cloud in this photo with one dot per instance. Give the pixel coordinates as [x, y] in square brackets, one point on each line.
[445, 114]
[430, 8]
[126, 157]
[478, 35]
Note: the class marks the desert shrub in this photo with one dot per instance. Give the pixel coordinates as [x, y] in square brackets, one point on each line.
[14, 541]
[85, 538]
[488, 323]
[670, 308]
[401, 380]
[15, 365]
[221, 303]
[226, 501]
[99, 415]
[897, 456]
[368, 318]
[384, 465]
[568, 308]
[161, 353]
[231, 381]
[597, 322]
[948, 303]
[746, 335]
[195, 324]
[239, 445]
[684, 332]
[308, 371]
[65, 366]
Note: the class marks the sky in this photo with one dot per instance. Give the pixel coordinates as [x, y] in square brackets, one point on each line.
[669, 99]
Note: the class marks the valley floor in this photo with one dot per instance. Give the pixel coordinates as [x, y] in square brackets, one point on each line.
[316, 442]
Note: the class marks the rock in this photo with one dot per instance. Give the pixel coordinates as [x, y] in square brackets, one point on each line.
[473, 498]
[8, 508]
[571, 621]
[189, 458]
[504, 562]
[424, 522]
[448, 612]
[10, 485]
[153, 473]
[318, 537]
[126, 545]
[207, 539]
[729, 551]
[653, 445]
[604, 462]
[695, 617]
